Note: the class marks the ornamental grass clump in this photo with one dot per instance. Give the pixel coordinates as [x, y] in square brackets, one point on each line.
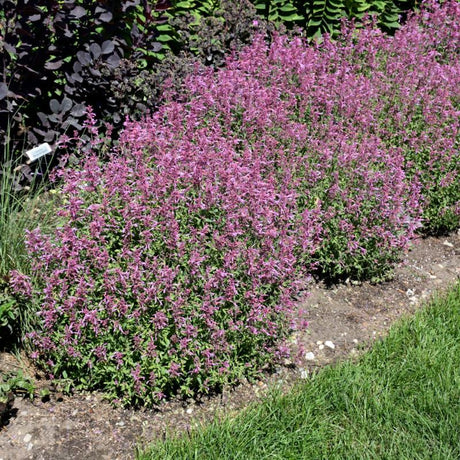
[175, 263]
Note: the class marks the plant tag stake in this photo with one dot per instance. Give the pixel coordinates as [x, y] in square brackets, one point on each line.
[38, 152]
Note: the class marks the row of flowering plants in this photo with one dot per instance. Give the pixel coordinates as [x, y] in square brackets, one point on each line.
[173, 269]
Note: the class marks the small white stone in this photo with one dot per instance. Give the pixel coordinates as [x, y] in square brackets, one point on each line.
[121, 423]
[29, 446]
[303, 374]
[27, 438]
[321, 347]
[329, 344]
[189, 410]
[319, 342]
[355, 340]
[410, 292]
[447, 243]
[310, 356]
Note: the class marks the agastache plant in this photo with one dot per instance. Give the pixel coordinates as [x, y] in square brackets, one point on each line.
[175, 264]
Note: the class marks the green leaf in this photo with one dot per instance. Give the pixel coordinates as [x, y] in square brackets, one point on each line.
[165, 28]
[287, 8]
[392, 25]
[185, 5]
[165, 38]
[293, 17]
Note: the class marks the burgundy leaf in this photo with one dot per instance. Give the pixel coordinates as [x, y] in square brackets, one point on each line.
[107, 47]
[54, 65]
[84, 58]
[95, 50]
[55, 106]
[78, 110]
[3, 90]
[78, 12]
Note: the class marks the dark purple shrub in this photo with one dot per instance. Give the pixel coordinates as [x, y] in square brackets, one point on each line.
[56, 57]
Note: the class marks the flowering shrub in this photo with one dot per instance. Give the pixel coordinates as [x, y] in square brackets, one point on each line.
[427, 124]
[168, 275]
[175, 263]
[278, 101]
[412, 101]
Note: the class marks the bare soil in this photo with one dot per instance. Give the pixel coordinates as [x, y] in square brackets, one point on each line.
[344, 320]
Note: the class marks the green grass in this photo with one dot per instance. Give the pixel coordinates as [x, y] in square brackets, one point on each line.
[401, 400]
[19, 211]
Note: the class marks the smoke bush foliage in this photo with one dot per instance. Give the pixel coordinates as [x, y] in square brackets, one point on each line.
[175, 263]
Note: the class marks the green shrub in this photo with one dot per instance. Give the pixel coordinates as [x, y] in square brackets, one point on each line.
[324, 16]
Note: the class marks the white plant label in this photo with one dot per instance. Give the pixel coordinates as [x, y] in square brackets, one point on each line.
[38, 152]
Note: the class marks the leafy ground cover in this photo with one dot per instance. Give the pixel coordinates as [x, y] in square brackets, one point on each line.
[175, 263]
[401, 400]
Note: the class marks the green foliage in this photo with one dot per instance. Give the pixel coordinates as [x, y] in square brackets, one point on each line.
[195, 11]
[20, 210]
[8, 315]
[15, 382]
[324, 16]
[12, 383]
[279, 11]
[224, 29]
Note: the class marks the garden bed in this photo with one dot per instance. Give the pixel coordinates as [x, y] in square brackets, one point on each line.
[351, 316]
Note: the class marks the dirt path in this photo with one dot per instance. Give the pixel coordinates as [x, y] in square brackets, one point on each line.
[343, 320]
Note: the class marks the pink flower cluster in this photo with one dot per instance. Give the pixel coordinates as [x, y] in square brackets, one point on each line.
[176, 260]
